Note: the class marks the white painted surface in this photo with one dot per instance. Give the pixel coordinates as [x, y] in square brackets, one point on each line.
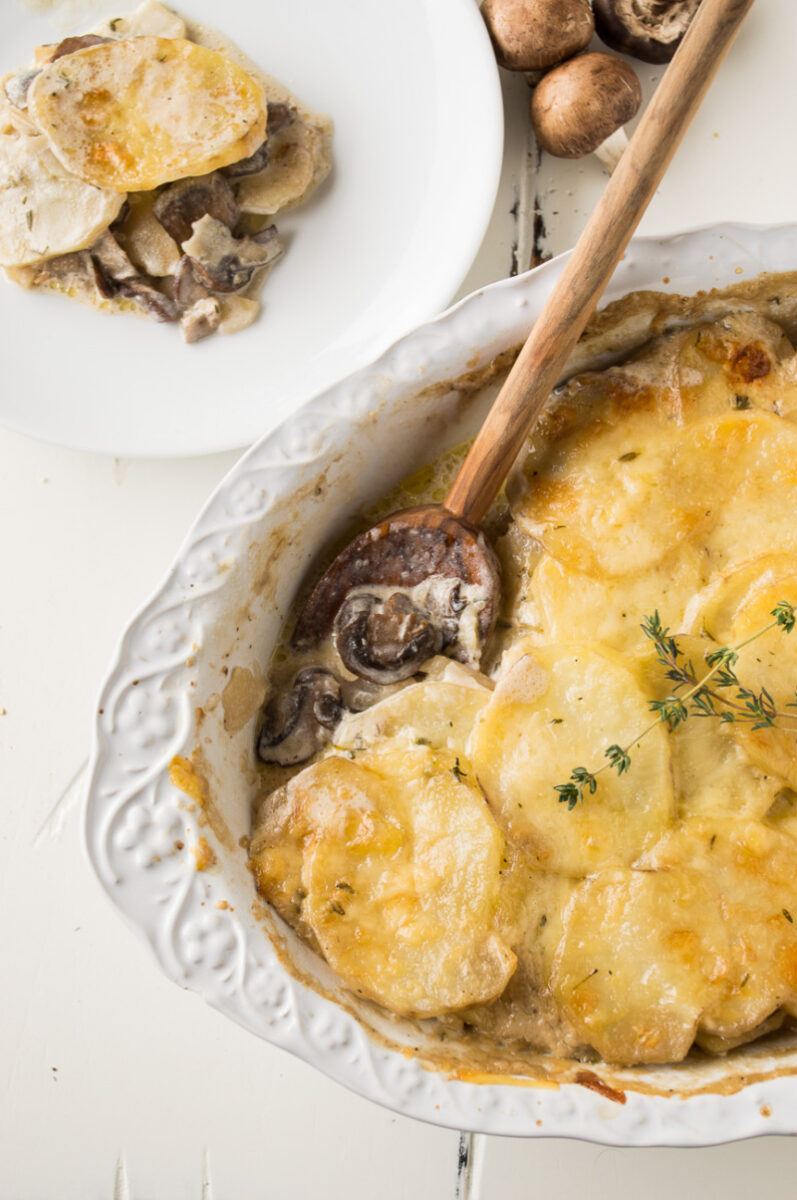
[154, 1096]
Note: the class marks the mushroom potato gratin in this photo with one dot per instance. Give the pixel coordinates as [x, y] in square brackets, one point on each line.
[141, 166]
[433, 839]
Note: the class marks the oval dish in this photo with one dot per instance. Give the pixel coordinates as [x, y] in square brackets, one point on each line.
[187, 678]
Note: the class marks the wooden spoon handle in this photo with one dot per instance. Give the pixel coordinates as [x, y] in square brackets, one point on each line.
[596, 254]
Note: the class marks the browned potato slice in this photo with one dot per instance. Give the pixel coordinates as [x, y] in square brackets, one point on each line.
[395, 861]
[45, 211]
[556, 708]
[134, 114]
[642, 956]
[753, 870]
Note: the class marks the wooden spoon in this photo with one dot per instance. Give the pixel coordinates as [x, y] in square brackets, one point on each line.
[388, 641]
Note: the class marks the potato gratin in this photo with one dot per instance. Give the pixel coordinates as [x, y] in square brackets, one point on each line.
[141, 166]
[425, 851]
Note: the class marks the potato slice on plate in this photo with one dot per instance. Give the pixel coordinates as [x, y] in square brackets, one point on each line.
[556, 708]
[642, 956]
[133, 114]
[45, 211]
[399, 866]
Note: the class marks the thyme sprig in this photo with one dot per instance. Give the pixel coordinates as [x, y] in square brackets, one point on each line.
[718, 693]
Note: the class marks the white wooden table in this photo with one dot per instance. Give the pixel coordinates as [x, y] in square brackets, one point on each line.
[114, 1082]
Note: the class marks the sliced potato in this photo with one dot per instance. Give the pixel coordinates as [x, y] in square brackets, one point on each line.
[144, 240]
[727, 484]
[573, 605]
[296, 156]
[589, 501]
[150, 19]
[753, 869]
[556, 708]
[45, 211]
[400, 860]
[642, 956]
[435, 713]
[134, 114]
[710, 770]
[734, 608]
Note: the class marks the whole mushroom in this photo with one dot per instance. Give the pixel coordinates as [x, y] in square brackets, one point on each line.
[580, 107]
[650, 30]
[531, 35]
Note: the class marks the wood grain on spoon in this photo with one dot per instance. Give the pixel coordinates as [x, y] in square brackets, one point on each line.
[397, 551]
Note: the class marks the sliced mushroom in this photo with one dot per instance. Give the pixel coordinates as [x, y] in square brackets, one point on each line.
[650, 30]
[111, 259]
[249, 166]
[182, 204]
[385, 641]
[187, 288]
[115, 275]
[278, 115]
[299, 722]
[224, 263]
[580, 107]
[16, 87]
[154, 303]
[201, 320]
[71, 44]
[531, 35]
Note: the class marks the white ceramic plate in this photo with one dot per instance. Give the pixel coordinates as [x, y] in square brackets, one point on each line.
[221, 607]
[413, 89]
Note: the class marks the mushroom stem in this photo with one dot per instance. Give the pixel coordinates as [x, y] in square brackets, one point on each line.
[611, 151]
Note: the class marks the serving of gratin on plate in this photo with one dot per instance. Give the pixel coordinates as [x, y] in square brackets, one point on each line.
[584, 845]
[141, 166]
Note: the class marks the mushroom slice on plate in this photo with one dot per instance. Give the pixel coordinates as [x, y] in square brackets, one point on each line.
[298, 723]
[44, 210]
[650, 30]
[581, 107]
[201, 320]
[278, 116]
[531, 35]
[99, 106]
[224, 263]
[72, 44]
[181, 204]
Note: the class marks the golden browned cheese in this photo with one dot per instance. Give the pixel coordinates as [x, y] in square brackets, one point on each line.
[659, 911]
[131, 115]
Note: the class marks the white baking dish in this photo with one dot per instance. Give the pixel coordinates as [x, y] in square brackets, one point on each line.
[221, 607]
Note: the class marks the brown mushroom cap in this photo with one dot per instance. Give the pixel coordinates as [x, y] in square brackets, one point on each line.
[578, 105]
[650, 30]
[529, 35]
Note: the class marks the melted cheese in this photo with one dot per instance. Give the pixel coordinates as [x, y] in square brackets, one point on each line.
[555, 708]
[134, 114]
[399, 864]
